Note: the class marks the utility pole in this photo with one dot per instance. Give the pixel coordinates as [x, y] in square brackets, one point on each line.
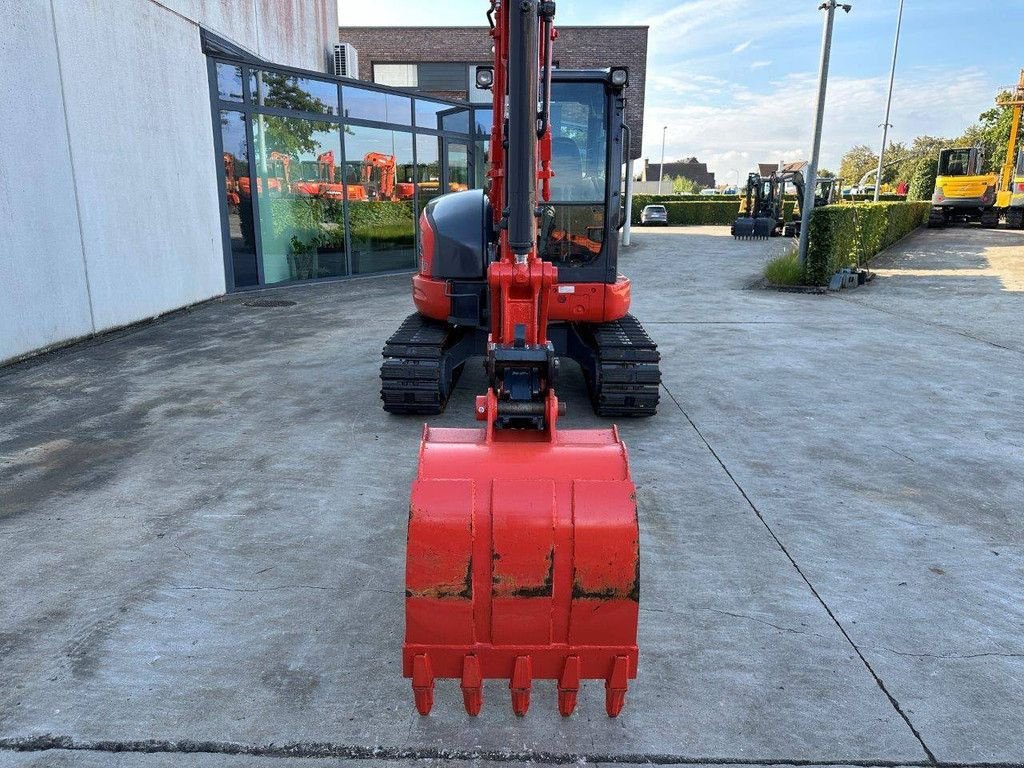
[807, 204]
[661, 173]
[888, 102]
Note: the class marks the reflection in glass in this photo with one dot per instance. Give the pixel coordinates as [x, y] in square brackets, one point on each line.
[364, 104]
[302, 224]
[578, 142]
[239, 198]
[481, 164]
[482, 121]
[428, 168]
[229, 82]
[428, 113]
[571, 235]
[277, 89]
[458, 166]
[456, 120]
[382, 218]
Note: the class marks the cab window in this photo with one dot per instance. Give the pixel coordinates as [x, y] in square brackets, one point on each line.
[955, 162]
[579, 142]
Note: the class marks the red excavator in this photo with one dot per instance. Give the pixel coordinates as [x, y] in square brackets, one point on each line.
[523, 547]
[578, 232]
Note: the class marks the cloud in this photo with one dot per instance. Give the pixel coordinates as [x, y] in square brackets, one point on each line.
[774, 122]
[760, 64]
[742, 47]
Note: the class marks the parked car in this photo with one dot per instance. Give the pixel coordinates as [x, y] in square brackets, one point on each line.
[654, 214]
[709, 192]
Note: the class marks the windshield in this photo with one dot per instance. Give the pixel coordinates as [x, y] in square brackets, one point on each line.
[955, 162]
[1020, 163]
[579, 142]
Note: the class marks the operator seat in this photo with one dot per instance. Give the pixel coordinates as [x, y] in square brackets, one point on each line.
[569, 184]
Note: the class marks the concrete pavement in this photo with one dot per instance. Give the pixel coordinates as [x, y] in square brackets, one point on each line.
[202, 529]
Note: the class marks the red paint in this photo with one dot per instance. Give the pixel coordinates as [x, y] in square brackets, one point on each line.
[587, 302]
[523, 544]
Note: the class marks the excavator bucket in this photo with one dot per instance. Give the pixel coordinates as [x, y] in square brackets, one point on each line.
[522, 564]
[743, 228]
[749, 228]
[763, 227]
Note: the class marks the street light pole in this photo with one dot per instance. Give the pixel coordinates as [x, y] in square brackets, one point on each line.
[661, 173]
[807, 204]
[888, 102]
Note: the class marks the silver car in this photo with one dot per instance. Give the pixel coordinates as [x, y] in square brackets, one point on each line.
[654, 214]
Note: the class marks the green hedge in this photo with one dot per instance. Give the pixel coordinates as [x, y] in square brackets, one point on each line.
[639, 201]
[704, 211]
[871, 197]
[851, 234]
[378, 212]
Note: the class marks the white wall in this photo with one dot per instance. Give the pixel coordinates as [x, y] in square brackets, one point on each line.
[43, 292]
[109, 209]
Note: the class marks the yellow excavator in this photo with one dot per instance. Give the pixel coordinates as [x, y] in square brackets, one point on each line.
[964, 193]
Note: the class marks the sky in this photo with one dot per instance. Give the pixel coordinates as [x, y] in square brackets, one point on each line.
[735, 81]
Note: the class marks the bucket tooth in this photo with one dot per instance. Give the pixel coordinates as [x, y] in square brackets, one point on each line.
[422, 684]
[616, 685]
[569, 686]
[522, 680]
[472, 686]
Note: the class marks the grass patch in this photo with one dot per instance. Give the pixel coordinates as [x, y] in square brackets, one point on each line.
[785, 269]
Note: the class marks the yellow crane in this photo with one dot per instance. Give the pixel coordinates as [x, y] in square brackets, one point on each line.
[1010, 197]
[963, 192]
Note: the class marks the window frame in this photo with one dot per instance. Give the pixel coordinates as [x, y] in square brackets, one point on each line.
[220, 51]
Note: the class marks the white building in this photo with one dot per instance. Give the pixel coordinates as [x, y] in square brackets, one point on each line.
[110, 210]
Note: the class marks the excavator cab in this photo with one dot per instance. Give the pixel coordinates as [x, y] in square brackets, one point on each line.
[580, 215]
[963, 191]
[579, 220]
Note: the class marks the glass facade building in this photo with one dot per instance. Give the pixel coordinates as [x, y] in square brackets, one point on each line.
[324, 177]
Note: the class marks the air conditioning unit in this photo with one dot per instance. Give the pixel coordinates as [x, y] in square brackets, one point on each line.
[346, 60]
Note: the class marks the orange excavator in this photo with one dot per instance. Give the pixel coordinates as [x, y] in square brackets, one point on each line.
[379, 178]
[326, 184]
[230, 181]
[523, 547]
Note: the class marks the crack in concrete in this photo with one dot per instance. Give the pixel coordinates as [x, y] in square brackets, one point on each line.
[744, 616]
[1004, 654]
[929, 323]
[325, 750]
[878, 680]
[203, 588]
[765, 622]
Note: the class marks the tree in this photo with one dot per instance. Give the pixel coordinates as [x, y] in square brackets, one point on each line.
[289, 135]
[684, 186]
[895, 154]
[922, 183]
[824, 173]
[991, 133]
[856, 162]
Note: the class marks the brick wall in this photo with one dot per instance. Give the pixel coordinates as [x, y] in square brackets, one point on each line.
[576, 48]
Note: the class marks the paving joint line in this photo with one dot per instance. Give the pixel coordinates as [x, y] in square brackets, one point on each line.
[334, 750]
[878, 680]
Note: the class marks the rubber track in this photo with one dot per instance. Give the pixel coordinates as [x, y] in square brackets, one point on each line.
[411, 372]
[629, 377]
